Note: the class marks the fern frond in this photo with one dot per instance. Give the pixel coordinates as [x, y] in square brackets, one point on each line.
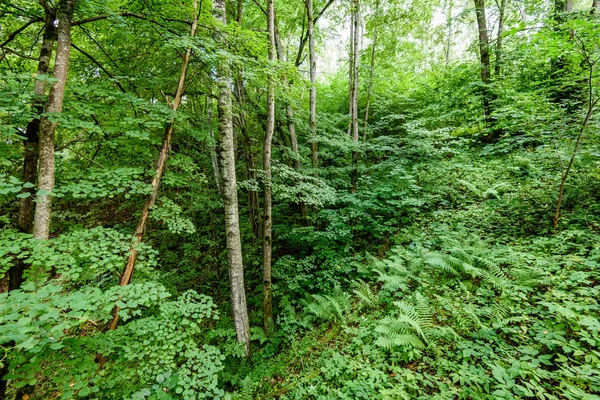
[365, 294]
[445, 262]
[399, 340]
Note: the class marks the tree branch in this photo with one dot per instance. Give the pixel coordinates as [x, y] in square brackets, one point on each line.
[11, 37]
[99, 65]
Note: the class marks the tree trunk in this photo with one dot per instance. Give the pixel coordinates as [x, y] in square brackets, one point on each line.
[240, 94]
[498, 65]
[43, 208]
[160, 169]
[289, 111]
[268, 211]
[595, 7]
[31, 150]
[484, 54]
[371, 73]
[351, 67]
[230, 201]
[354, 99]
[213, 149]
[590, 111]
[448, 44]
[313, 87]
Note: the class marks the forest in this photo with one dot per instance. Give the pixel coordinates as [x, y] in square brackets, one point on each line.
[300, 199]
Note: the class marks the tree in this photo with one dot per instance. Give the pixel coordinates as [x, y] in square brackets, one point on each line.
[354, 91]
[267, 183]
[313, 85]
[229, 181]
[160, 170]
[499, 39]
[484, 57]
[43, 209]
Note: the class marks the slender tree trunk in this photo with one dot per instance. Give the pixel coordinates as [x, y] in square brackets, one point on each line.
[160, 170]
[351, 56]
[354, 100]
[43, 208]
[289, 111]
[371, 73]
[230, 200]
[313, 87]
[448, 43]
[268, 211]
[499, 40]
[590, 111]
[213, 149]
[240, 94]
[31, 150]
[484, 54]
[595, 7]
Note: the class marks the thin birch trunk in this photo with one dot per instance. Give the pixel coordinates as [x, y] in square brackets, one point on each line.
[448, 43]
[230, 200]
[213, 149]
[499, 40]
[160, 169]
[354, 100]
[268, 210]
[313, 87]
[484, 58]
[371, 73]
[351, 56]
[43, 208]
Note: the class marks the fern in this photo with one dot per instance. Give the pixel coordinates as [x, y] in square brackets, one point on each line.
[329, 308]
[366, 294]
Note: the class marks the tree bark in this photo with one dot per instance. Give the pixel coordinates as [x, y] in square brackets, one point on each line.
[213, 149]
[351, 67]
[160, 169]
[313, 87]
[484, 57]
[595, 7]
[499, 40]
[43, 208]
[31, 149]
[268, 211]
[249, 160]
[354, 99]
[371, 73]
[230, 200]
[448, 44]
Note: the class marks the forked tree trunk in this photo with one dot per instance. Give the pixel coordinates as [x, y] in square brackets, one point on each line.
[31, 150]
[268, 210]
[230, 200]
[160, 170]
[354, 99]
[43, 208]
[313, 87]
[499, 40]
